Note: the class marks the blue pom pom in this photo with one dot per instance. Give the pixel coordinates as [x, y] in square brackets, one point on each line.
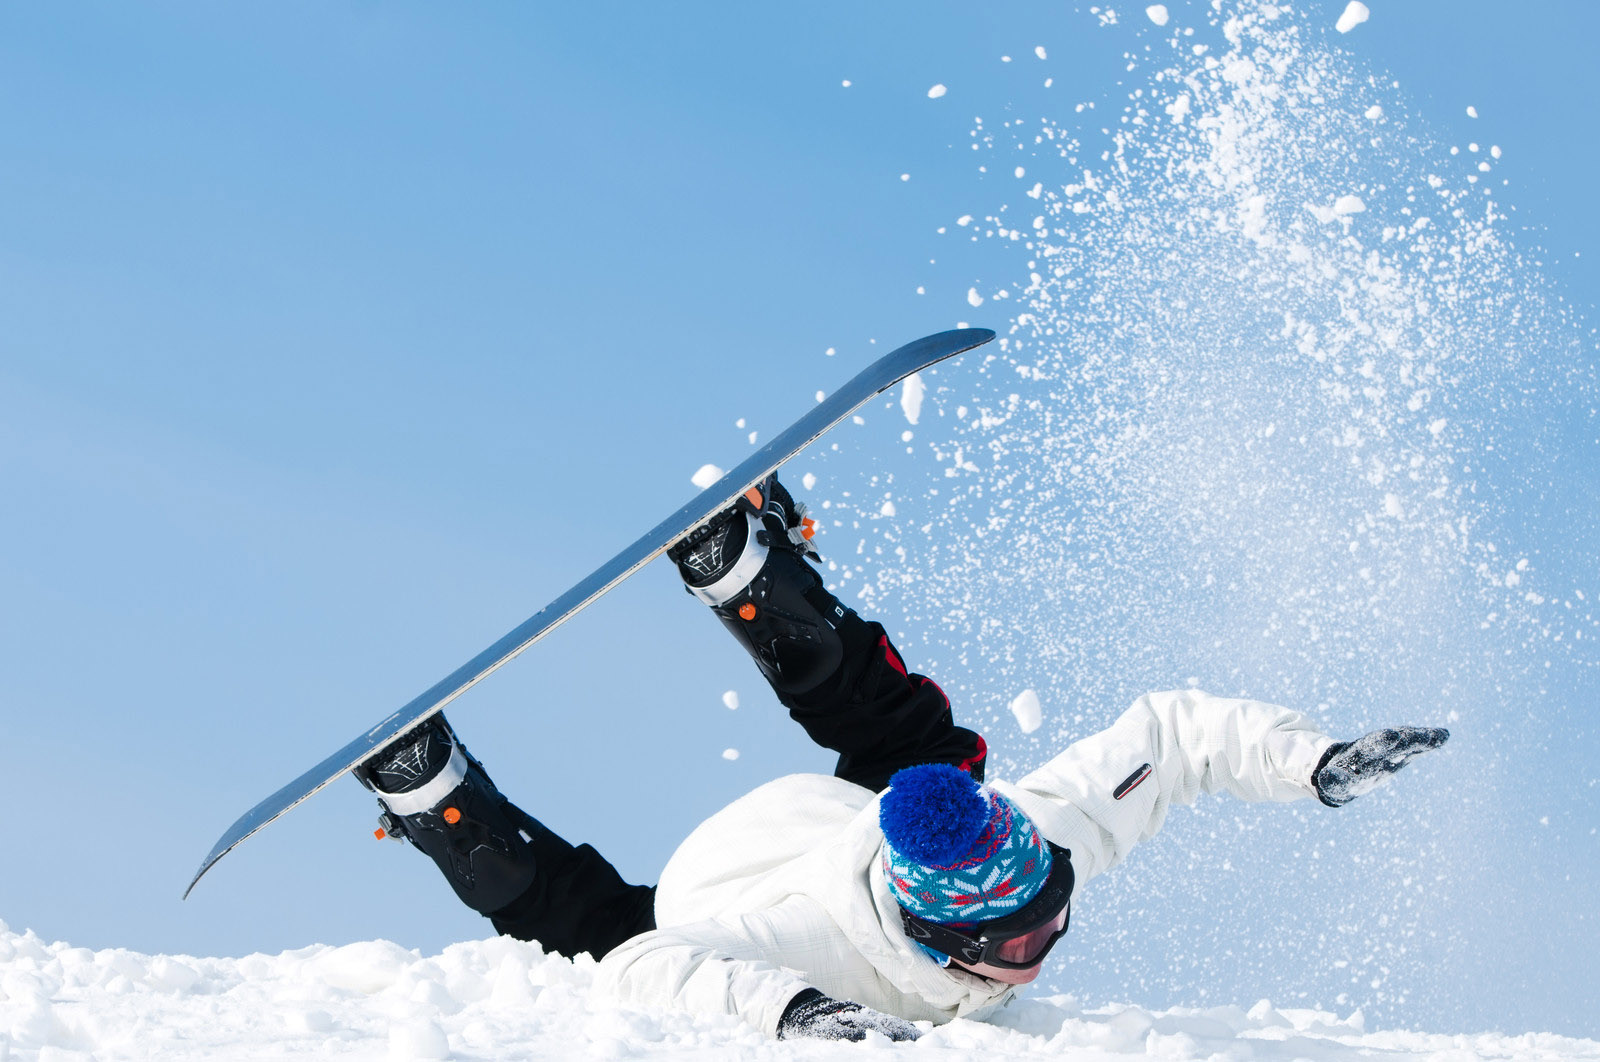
[933, 813]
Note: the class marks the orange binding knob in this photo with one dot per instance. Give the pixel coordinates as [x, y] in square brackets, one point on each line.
[452, 816]
[747, 612]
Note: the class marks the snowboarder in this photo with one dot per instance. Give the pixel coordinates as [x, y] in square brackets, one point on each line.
[900, 889]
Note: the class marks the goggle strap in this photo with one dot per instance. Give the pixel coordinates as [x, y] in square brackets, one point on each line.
[946, 941]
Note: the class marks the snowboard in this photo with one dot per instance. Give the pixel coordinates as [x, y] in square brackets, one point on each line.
[874, 379]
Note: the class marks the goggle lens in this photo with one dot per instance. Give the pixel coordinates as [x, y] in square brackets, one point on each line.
[1026, 948]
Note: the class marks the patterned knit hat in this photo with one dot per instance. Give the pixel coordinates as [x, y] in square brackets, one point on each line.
[957, 852]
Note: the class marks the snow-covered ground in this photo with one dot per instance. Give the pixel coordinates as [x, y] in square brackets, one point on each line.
[501, 998]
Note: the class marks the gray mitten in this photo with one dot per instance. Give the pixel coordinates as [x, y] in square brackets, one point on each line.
[1355, 768]
[812, 1014]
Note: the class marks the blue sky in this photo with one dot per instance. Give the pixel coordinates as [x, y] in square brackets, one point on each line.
[338, 339]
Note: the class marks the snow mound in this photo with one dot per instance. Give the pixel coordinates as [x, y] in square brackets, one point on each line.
[503, 998]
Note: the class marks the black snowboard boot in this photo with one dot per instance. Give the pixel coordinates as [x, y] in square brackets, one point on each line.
[438, 797]
[749, 564]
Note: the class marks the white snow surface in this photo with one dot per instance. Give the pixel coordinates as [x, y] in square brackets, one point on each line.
[503, 998]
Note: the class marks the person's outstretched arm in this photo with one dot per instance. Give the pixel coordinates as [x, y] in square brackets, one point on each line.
[1104, 794]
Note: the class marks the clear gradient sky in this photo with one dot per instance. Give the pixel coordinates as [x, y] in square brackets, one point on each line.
[336, 339]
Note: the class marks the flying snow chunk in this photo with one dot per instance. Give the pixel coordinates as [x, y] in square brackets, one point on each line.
[887, 509]
[1392, 507]
[808, 481]
[845, 83]
[1374, 112]
[1039, 51]
[1157, 13]
[1348, 204]
[1026, 708]
[730, 700]
[937, 91]
[1472, 112]
[973, 298]
[1355, 13]
[730, 754]
[911, 394]
[707, 475]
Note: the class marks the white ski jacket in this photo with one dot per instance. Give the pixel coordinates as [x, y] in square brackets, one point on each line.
[784, 889]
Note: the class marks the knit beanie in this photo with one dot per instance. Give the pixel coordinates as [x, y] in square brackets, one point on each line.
[957, 852]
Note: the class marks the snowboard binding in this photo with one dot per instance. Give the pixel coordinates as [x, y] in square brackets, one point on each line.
[749, 564]
[435, 795]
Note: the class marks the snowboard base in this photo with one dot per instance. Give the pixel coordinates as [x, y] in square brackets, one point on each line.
[873, 380]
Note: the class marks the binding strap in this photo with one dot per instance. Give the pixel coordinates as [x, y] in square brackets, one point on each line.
[430, 793]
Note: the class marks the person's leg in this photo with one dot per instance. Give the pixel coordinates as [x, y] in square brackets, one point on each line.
[837, 674]
[500, 861]
[878, 716]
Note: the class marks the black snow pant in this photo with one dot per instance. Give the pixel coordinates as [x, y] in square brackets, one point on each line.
[871, 711]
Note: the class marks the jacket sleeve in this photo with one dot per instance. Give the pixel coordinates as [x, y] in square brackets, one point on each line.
[734, 964]
[1107, 792]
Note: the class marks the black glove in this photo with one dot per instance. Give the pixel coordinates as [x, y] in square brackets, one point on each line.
[1355, 768]
[821, 1017]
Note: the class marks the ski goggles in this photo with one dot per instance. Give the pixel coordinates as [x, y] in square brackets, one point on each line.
[1020, 940]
